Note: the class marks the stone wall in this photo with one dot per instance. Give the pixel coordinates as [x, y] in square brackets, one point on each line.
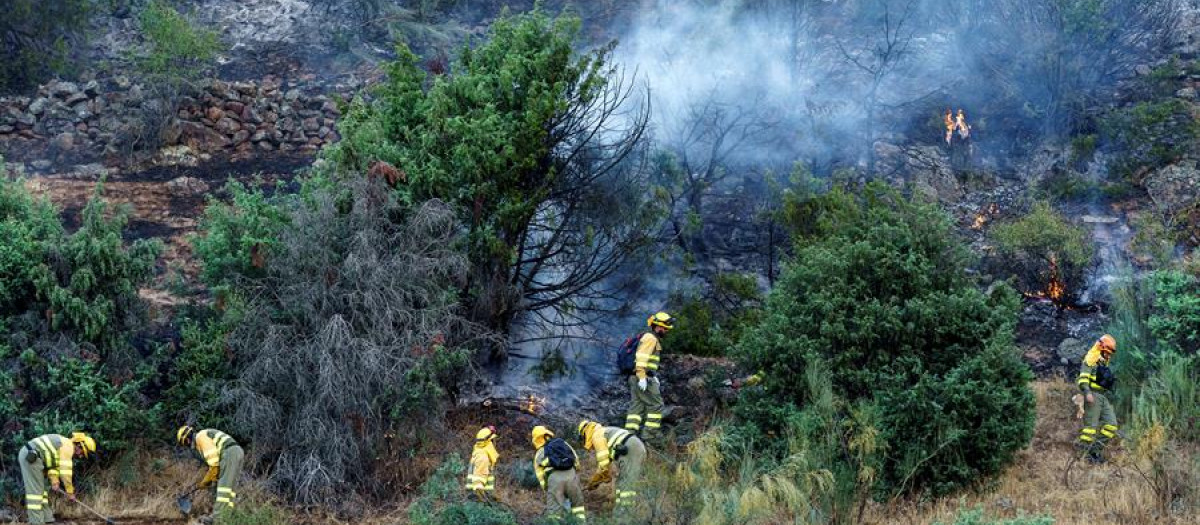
[68, 121]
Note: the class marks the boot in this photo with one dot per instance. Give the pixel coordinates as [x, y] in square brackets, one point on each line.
[1095, 456]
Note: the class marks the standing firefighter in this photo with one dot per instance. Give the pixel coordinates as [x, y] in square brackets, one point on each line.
[960, 123]
[644, 387]
[480, 477]
[950, 125]
[1095, 378]
[615, 446]
[51, 456]
[224, 458]
[554, 463]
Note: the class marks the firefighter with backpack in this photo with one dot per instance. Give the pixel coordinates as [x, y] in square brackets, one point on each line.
[641, 365]
[554, 464]
[614, 447]
[1095, 379]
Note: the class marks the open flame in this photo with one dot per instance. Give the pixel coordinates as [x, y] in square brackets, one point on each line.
[1056, 289]
[985, 215]
[534, 404]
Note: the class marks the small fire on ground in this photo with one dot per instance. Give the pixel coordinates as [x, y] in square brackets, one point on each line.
[1055, 289]
[985, 215]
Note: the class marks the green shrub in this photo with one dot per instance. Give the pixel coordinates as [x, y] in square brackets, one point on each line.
[881, 296]
[715, 321]
[27, 227]
[175, 47]
[236, 239]
[195, 374]
[1066, 186]
[443, 501]
[1148, 135]
[37, 37]
[1047, 254]
[1152, 240]
[1175, 322]
[1083, 147]
[976, 517]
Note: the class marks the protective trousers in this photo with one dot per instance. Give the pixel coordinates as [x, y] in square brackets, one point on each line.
[231, 469]
[629, 471]
[646, 404]
[33, 475]
[1099, 423]
[564, 494]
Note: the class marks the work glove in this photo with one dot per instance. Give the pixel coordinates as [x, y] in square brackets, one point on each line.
[642, 384]
[599, 478]
[1077, 399]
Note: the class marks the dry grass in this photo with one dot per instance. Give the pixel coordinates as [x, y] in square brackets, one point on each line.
[1113, 493]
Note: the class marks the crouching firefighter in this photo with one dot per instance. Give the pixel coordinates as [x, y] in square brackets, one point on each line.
[554, 463]
[224, 459]
[51, 456]
[646, 407]
[481, 478]
[619, 447]
[1095, 379]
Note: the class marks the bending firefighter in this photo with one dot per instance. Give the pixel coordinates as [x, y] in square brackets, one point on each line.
[619, 447]
[51, 456]
[224, 459]
[644, 387]
[480, 477]
[554, 463]
[1095, 378]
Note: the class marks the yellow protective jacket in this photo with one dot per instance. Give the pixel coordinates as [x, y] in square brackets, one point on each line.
[645, 362]
[541, 464]
[210, 443]
[57, 453]
[483, 460]
[1087, 370]
[604, 441]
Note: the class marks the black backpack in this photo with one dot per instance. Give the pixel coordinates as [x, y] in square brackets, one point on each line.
[627, 355]
[559, 455]
[1105, 377]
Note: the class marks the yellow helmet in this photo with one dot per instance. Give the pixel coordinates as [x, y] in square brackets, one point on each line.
[183, 434]
[662, 319]
[540, 434]
[1109, 342]
[485, 433]
[583, 428]
[85, 442]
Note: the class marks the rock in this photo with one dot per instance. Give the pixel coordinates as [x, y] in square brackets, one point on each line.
[1188, 93]
[90, 171]
[1094, 219]
[235, 108]
[198, 137]
[311, 124]
[220, 90]
[187, 187]
[1143, 70]
[41, 165]
[324, 132]
[38, 106]
[92, 88]
[82, 112]
[63, 141]
[134, 96]
[1174, 188]
[63, 89]
[924, 167]
[4, 128]
[240, 137]
[25, 119]
[121, 81]
[214, 114]
[75, 98]
[228, 126]
[287, 125]
[266, 146]
[292, 95]
[298, 137]
[259, 136]
[330, 108]
[1072, 350]
[251, 116]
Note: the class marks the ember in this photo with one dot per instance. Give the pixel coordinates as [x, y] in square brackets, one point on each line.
[533, 404]
[985, 215]
[1056, 289]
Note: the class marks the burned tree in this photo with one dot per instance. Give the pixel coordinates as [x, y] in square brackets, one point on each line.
[354, 331]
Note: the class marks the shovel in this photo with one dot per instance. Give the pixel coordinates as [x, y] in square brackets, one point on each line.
[184, 502]
[107, 520]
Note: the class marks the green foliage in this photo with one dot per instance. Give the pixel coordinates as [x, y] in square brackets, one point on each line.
[27, 227]
[1175, 322]
[1152, 240]
[36, 39]
[505, 136]
[197, 371]
[1066, 186]
[90, 279]
[175, 47]
[1046, 253]
[1083, 147]
[257, 513]
[233, 234]
[976, 517]
[716, 320]
[443, 501]
[881, 296]
[1149, 135]
[1171, 398]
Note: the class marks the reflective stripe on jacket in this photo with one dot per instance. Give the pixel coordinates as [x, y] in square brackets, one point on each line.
[57, 453]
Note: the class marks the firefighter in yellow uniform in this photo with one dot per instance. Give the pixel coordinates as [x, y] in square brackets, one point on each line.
[561, 484]
[1095, 378]
[619, 447]
[647, 406]
[51, 456]
[480, 476]
[224, 459]
[950, 125]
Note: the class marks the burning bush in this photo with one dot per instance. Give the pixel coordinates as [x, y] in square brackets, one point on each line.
[1047, 254]
[880, 295]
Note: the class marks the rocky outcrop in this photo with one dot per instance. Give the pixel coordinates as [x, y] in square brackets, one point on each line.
[100, 119]
[1175, 188]
[924, 168]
